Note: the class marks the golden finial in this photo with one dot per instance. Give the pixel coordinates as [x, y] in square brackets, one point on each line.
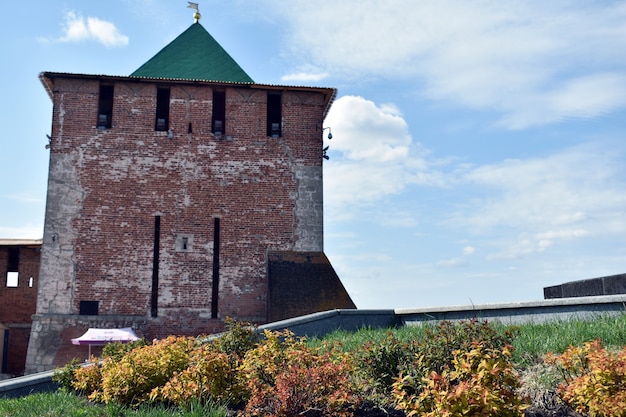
[196, 15]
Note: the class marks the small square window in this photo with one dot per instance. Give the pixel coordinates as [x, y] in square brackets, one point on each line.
[88, 308]
[184, 243]
[12, 279]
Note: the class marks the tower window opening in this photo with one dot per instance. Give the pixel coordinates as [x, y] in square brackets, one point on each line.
[154, 299]
[162, 109]
[105, 107]
[274, 115]
[218, 121]
[88, 307]
[215, 286]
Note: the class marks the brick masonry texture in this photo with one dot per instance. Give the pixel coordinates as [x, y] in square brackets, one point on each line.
[17, 304]
[106, 186]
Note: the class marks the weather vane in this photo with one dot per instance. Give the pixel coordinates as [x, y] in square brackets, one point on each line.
[196, 15]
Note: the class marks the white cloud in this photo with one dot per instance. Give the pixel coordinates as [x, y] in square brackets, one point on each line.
[369, 132]
[532, 205]
[533, 62]
[520, 207]
[76, 29]
[468, 250]
[372, 155]
[304, 76]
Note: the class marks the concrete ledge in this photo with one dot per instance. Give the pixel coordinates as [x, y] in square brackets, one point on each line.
[26, 385]
[520, 312]
[319, 324]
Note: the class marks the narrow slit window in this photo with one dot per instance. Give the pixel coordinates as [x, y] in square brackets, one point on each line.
[162, 109]
[274, 115]
[13, 265]
[105, 107]
[13, 262]
[219, 113]
[154, 299]
[216, 268]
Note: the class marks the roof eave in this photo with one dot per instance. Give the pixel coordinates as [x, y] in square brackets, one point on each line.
[47, 83]
[21, 242]
[47, 79]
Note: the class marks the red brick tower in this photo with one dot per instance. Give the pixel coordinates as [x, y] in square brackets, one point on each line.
[178, 196]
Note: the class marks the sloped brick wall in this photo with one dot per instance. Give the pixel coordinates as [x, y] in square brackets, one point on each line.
[301, 283]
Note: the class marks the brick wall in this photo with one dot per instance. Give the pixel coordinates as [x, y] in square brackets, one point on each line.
[106, 186]
[17, 304]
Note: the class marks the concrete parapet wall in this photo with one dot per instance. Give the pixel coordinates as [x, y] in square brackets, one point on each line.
[26, 385]
[521, 312]
[319, 324]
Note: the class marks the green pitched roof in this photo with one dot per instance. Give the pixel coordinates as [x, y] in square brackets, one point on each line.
[194, 55]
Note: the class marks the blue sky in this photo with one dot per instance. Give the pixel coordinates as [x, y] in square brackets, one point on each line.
[478, 150]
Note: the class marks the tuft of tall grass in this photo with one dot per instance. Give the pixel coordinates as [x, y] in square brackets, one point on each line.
[533, 341]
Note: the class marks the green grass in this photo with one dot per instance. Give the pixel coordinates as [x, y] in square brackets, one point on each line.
[534, 341]
[531, 343]
[64, 404]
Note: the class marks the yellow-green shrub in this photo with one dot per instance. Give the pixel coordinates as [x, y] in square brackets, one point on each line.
[383, 361]
[238, 338]
[594, 379]
[65, 376]
[480, 382]
[131, 379]
[88, 379]
[116, 350]
[211, 377]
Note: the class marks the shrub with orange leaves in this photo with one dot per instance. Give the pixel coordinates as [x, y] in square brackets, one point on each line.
[594, 379]
[286, 378]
